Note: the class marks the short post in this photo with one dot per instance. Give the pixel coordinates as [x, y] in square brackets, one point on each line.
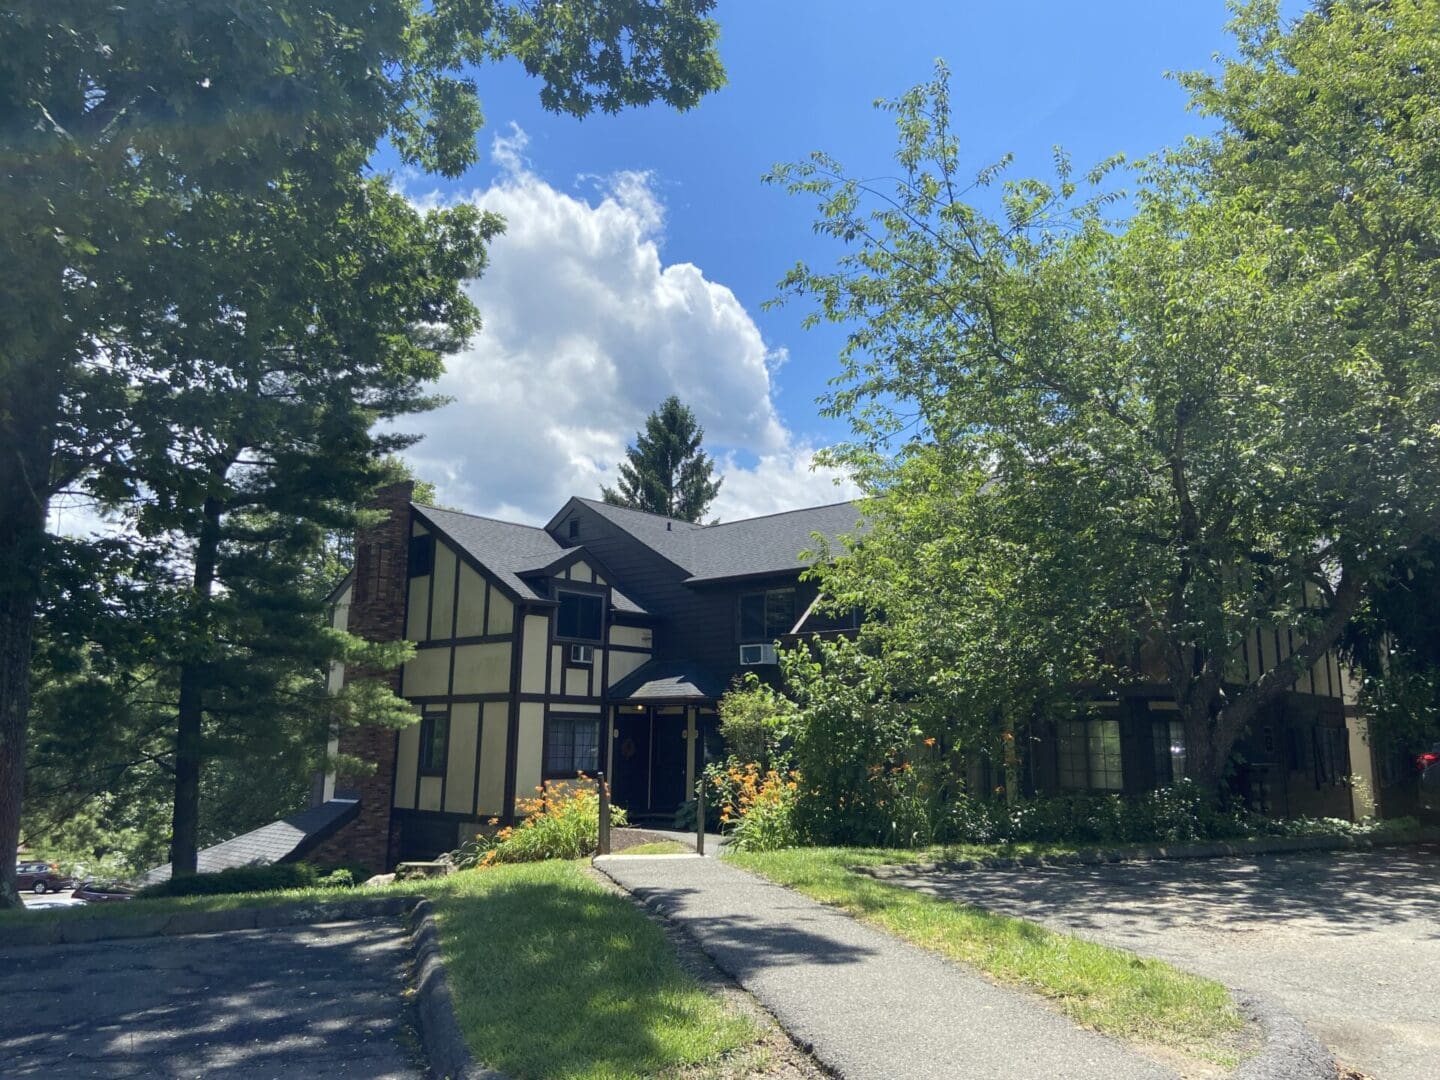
[603, 847]
[700, 816]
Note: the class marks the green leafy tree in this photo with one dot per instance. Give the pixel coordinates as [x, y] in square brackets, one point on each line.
[666, 471]
[1099, 452]
[116, 119]
[260, 441]
[1396, 645]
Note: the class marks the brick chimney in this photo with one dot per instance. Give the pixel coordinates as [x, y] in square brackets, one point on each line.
[377, 613]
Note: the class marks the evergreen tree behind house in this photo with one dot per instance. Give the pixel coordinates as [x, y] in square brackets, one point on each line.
[666, 471]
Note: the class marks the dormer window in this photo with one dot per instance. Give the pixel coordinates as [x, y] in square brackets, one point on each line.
[573, 529]
[581, 616]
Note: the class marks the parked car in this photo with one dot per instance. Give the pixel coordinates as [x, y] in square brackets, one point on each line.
[40, 877]
[103, 892]
[1429, 764]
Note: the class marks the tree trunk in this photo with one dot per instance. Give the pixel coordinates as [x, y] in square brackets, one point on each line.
[1214, 723]
[27, 408]
[185, 819]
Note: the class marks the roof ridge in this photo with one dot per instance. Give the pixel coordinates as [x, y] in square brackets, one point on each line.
[717, 524]
[782, 513]
[633, 510]
[480, 517]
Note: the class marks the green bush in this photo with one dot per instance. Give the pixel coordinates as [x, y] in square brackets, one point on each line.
[754, 721]
[562, 822]
[238, 879]
[1169, 815]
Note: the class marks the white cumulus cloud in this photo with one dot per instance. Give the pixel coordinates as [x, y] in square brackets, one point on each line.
[586, 330]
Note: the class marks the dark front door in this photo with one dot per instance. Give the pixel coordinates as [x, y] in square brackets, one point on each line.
[668, 780]
[630, 763]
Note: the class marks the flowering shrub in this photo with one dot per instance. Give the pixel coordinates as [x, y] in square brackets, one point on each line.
[757, 808]
[561, 822]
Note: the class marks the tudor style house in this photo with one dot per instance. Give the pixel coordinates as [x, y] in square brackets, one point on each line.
[601, 641]
[604, 640]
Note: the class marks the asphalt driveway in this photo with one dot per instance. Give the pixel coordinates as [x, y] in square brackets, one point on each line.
[1348, 941]
[317, 1001]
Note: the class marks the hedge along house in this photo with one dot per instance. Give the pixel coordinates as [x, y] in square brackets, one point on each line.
[601, 641]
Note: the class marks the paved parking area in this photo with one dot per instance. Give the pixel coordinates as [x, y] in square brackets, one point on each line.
[315, 1001]
[1348, 941]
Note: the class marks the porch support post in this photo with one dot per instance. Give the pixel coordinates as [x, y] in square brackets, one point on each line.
[691, 736]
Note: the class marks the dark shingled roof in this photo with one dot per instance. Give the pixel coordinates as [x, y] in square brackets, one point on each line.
[660, 681]
[509, 551]
[288, 838]
[749, 547]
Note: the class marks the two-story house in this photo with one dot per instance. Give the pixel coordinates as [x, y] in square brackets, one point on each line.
[602, 641]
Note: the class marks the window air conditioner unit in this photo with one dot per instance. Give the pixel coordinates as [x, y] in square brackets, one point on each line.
[753, 655]
[582, 654]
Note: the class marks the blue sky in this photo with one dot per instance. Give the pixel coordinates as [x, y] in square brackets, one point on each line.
[802, 76]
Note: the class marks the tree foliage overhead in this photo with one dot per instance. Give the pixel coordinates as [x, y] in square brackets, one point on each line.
[1101, 451]
[666, 471]
[136, 136]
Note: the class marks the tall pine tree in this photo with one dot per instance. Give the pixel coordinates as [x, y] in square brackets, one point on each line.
[666, 471]
[112, 125]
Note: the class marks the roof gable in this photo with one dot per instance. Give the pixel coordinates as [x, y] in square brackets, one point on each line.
[749, 547]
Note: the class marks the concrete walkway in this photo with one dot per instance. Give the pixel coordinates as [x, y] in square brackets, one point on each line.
[868, 1005]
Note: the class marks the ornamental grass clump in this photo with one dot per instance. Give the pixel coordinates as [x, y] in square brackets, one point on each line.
[562, 821]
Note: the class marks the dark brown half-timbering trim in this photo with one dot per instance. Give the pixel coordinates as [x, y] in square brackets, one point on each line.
[512, 724]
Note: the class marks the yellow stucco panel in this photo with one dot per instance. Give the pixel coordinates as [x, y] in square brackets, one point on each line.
[442, 603]
[557, 668]
[581, 572]
[623, 663]
[529, 745]
[405, 758]
[492, 757]
[470, 616]
[639, 637]
[483, 669]
[428, 674]
[502, 613]
[460, 768]
[429, 793]
[532, 659]
[417, 619]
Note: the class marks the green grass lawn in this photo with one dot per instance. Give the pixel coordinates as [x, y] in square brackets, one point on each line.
[553, 975]
[1110, 990]
[658, 847]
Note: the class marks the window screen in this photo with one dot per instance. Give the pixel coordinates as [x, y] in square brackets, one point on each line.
[580, 617]
[1168, 737]
[434, 742]
[572, 746]
[1089, 755]
[765, 616]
